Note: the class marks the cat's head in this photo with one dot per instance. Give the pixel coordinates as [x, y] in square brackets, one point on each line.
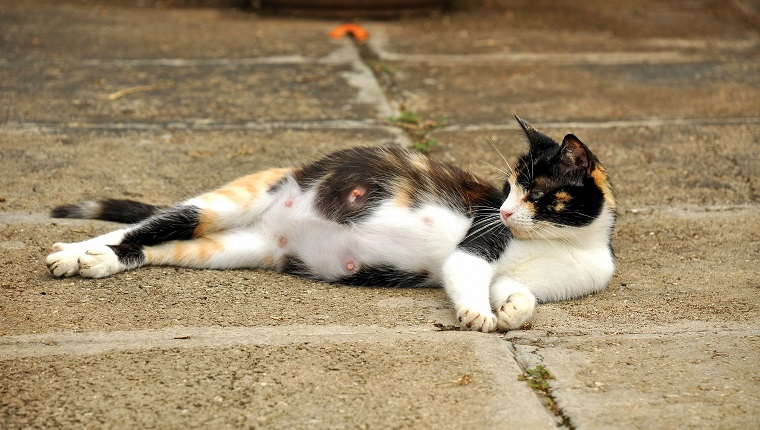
[554, 188]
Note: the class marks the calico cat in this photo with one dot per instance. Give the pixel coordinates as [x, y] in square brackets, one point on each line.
[385, 217]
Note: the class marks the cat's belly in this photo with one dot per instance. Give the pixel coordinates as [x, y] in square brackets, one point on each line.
[415, 240]
[410, 239]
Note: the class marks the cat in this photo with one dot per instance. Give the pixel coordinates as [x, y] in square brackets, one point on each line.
[385, 216]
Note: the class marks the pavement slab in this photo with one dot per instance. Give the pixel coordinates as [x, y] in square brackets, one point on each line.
[159, 104]
[64, 31]
[605, 374]
[70, 93]
[550, 92]
[312, 381]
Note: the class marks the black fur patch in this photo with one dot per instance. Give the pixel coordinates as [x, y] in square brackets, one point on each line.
[340, 173]
[295, 266]
[124, 211]
[384, 276]
[387, 276]
[175, 223]
[487, 236]
[129, 255]
[584, 207]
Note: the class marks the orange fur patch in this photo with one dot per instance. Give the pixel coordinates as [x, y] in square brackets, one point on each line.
[600, 179]
[240, 192]
[562, 199]
[563, 196]
[189, 253]
[403, 195]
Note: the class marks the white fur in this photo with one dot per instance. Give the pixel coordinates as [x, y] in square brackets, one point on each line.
[580, 260]
[467, 279]
[64, 261]
[99, 262]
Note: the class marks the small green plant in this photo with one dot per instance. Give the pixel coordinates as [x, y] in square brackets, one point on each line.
[383, 68]
[418, 129]
[406, 117]
[424, 146]
[537, 378]
[538, 381]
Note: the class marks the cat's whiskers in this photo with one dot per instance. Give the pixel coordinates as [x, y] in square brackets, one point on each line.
[549, 240]
[556, 236]
[482, 227]
[485, 222]
[511, 170]
[532, 163]
[581, 214]
[491, 165]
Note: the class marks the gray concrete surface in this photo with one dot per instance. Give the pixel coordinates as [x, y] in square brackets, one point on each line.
[665, 93]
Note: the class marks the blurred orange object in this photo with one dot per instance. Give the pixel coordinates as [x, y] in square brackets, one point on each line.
[352, 30]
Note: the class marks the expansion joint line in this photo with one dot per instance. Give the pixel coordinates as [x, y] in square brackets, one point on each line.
[539, 379]
[385, 80]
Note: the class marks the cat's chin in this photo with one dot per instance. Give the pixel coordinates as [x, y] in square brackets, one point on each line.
[518, 233]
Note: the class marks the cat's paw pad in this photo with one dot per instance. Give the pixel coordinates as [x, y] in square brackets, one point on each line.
[473, 320]
[515, 311]
[63, 263]
[99, 262]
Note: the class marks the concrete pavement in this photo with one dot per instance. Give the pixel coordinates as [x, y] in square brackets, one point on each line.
[160, 104]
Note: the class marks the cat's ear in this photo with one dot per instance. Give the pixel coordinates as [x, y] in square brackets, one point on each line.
[575, 158]
[539, 142]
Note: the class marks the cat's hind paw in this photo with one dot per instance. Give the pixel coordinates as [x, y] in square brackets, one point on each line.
[473, 320]
[64, 261]
[515, 311]
[99, 262]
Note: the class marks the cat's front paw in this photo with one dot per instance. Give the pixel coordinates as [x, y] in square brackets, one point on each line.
[99, 262]
[473, 320]
[515, 311]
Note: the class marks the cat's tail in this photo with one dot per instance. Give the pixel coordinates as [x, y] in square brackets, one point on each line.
[125, 211]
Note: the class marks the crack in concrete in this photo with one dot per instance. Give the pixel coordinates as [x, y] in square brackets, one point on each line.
[369, 57]
[529, 357]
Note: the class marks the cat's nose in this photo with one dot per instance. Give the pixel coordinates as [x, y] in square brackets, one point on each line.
[505, 214]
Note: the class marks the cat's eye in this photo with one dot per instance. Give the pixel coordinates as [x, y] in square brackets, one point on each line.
[535, 195]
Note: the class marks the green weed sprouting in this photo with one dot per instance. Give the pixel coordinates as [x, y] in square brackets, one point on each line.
[418, 129]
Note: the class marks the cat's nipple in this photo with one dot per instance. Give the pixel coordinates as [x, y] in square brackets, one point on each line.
[282, 241]
[289, 202]
[350, 265]
[355, 194]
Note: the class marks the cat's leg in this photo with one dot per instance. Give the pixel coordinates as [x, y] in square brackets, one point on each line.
[243, 201]
[117, 251]
[233, 249]
[467, 278]
[221, 250]
[513, 301]
[236, 204]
